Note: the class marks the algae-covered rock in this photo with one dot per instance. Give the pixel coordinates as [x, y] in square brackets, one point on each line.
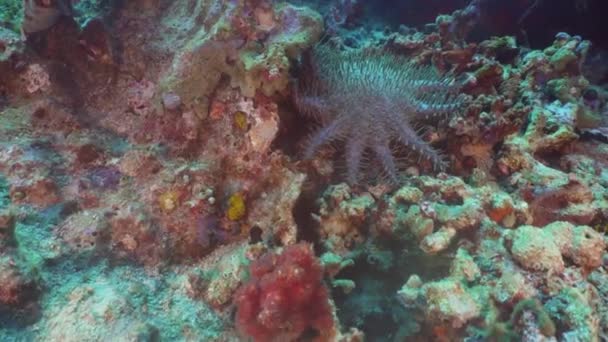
[572, 310]
[464, 267]
[18, 287]
[419, 225]
[125, 304]
[86, 231]
[342, 218]
[511, 287]
[219, 49]
[448, 300]
[581, 244]
[562, 58]
[11, 14]
[535, 249]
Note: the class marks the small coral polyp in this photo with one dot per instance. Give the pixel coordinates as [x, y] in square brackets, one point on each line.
[285, 297]
[369, 100]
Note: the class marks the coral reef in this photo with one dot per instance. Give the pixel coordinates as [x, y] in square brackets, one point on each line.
[151, 185]
[527, 189]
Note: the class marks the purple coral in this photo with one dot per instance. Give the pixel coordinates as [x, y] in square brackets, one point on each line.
[210, 232]
[371, 100]
[105, 177]
[340, 13]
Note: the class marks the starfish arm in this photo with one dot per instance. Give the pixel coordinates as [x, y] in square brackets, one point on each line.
[323, 136]
[412, 140]
[354, 153]
[431, 107]
[311, 106]
[439, 86]
[384, 154]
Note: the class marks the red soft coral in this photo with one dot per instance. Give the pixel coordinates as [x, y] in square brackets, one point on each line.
[285, 297]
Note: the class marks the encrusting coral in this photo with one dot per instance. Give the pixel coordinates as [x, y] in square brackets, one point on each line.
[369, 100]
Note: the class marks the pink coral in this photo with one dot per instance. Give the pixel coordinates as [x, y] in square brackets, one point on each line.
[285, 297]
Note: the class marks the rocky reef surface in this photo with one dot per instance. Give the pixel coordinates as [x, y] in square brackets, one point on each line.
[152, 184]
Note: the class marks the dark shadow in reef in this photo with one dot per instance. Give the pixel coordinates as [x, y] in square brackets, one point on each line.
[18, 319]
[534, 22]
[582, 17]
[293, 130]
[302, 214]
[379, 272]
[294, 127]
[416, 13]
[27, 310]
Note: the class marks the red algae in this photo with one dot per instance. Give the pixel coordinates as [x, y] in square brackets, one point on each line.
[285, 297]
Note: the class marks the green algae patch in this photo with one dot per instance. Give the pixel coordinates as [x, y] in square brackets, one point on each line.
[35, 241]
[14, 120]
[573, 314]
[123, 303]
[11, 14]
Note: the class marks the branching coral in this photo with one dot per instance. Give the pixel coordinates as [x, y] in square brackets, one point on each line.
[369, 100]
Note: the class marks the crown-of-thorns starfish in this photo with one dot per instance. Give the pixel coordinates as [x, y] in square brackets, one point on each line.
[370, 100]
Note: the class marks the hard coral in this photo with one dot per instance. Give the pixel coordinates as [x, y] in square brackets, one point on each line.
[370, 99]
[285, 297]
